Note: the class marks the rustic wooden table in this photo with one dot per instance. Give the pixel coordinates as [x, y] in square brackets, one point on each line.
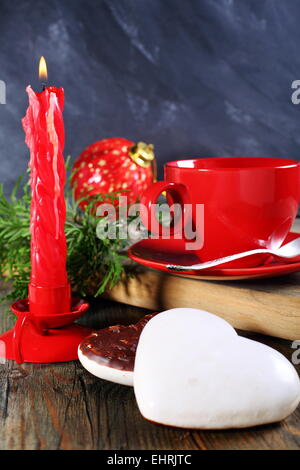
[62, 406]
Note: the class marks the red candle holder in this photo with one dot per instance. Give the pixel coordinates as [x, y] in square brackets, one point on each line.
[41, 338]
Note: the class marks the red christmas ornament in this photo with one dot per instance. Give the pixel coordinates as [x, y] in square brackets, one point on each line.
[114, 164]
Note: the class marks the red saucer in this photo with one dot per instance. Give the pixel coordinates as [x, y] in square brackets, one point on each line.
[158, 254]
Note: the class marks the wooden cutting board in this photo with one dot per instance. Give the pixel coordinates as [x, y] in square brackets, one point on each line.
[267, 306]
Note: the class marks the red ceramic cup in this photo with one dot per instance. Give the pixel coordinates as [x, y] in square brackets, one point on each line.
[248, 202]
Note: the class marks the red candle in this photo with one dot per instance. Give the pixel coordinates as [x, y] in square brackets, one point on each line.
[49, 291]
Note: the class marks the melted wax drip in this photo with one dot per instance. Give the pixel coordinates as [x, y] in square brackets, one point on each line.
[44, 129]
[54, 141]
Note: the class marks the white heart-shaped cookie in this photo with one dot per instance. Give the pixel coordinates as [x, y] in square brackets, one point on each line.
[192, 370]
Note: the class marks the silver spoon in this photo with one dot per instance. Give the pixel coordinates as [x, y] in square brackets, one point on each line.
[288, 251]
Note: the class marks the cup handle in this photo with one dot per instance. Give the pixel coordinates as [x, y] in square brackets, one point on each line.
[178, 194]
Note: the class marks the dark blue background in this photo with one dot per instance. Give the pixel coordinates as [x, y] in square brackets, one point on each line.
[194, 77]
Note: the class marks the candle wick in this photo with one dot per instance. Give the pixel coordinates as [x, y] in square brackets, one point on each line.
[43, 86]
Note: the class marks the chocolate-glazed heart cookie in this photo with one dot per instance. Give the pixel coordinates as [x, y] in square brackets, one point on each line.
[110, 353]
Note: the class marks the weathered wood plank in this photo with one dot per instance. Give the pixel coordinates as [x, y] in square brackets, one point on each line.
[268, 307]
[61, 406]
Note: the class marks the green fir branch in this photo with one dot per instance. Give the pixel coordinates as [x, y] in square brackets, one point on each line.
[93, 264]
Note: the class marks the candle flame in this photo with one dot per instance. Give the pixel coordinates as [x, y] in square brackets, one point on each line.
[43, 75]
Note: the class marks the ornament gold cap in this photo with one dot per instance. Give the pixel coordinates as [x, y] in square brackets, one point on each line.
[142, 154]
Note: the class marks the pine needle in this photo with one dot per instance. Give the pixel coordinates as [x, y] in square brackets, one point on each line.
[93, 264]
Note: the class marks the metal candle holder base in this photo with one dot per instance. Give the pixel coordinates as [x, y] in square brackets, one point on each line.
[44, 338]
